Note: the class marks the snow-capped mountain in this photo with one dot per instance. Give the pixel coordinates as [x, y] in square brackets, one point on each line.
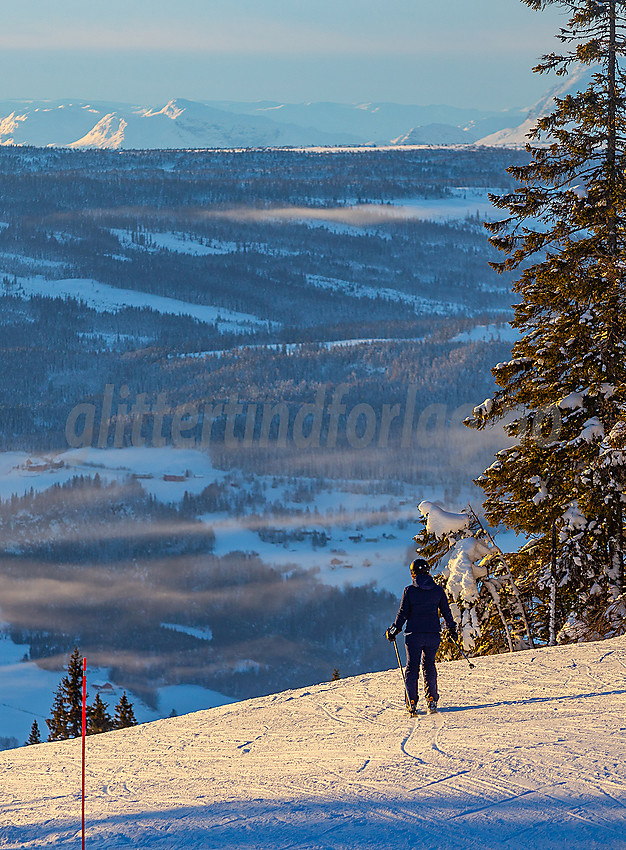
[527, 750]
[517, 136]
[178, 124]
[382, 122]
[436, 134]
[190, 124]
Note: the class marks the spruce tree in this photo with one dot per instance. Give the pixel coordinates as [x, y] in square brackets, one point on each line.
[564, 390]
[124, 714]
[57, 723]
[98, 718]
[73, 688]
[66, 719]
[35, 735]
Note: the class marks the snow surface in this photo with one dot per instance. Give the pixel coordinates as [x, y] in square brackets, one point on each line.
[200, 634]
[527, 751]
[572, 401]
[106, 298]
[592, 428]
[441, 522]
[460, 569]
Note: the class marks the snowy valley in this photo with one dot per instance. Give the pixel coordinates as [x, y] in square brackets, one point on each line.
[155, 282]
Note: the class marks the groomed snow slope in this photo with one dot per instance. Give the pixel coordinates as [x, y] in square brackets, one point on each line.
[528, 751]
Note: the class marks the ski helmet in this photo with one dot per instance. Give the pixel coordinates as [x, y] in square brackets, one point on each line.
[419, 566]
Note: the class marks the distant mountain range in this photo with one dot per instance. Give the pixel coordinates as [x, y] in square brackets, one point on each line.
[227, 124]
[190, 124]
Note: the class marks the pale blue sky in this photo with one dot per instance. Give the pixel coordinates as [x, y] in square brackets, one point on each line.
[461, 52]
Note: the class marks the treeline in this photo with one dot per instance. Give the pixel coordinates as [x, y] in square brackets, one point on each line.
[111, 179]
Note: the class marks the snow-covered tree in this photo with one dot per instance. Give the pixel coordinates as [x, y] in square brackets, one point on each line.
[564, 389]
[484, 598]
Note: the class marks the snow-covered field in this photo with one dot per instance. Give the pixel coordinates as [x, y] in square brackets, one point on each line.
[112, 464]
[183, 243]
[528, 750]
[489, 333]
[177, 242]
[444, 308]
[106, 298]
[465, 201]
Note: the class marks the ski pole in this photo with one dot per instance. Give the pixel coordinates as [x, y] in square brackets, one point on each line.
[406, 693]
[460, 648]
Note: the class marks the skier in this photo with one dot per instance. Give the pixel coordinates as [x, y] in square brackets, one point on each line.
[422, 604]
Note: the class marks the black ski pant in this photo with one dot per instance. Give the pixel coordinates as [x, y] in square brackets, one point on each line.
[422, 649]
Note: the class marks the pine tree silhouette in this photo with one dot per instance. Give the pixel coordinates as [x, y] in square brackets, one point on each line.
[98, 718]
[124, 714]
[66, 720]
[35, 735]
[57, 723]
[73, 686]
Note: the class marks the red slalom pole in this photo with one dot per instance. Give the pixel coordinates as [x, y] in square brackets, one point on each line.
[84, 735]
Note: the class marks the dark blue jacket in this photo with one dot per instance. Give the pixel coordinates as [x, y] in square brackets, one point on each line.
[423, 602]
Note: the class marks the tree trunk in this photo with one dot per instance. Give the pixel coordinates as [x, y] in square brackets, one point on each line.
[552, 638]
[509, 575]
[496, 601]
[611, 141]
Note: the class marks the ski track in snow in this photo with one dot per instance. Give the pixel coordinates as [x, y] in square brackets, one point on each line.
[528, 750]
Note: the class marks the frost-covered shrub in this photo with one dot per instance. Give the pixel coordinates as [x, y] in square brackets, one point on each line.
[473, 572]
